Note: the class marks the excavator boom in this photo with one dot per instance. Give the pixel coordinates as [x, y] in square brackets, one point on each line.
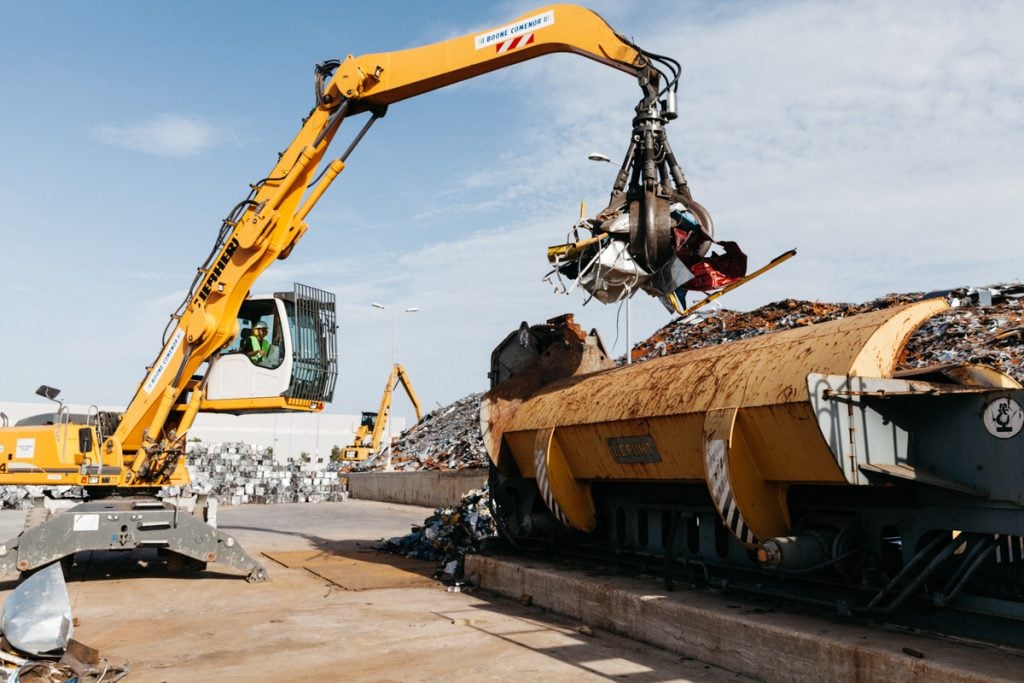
[407, 384]
[384, 78]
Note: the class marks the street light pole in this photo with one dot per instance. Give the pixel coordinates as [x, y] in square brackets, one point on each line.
[598, 156]
[394, 342]
[629, 340]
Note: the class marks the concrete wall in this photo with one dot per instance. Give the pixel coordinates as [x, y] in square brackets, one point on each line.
[428, 488]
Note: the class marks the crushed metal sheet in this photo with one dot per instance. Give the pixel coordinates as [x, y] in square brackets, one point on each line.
[37, 615]
[44, 671]
[37, 622]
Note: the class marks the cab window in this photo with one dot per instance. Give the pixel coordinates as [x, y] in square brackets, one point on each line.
[267, 352]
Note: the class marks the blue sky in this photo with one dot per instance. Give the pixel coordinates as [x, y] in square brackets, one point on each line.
[884, 140]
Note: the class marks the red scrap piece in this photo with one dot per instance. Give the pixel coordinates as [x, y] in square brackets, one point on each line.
[718, 270]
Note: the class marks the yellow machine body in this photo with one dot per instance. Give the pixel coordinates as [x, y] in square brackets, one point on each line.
[63, 454]
[737, 416]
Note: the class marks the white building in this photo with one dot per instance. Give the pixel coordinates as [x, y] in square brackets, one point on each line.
[289, 434]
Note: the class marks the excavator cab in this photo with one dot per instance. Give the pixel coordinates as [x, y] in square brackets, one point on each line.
[284, 356]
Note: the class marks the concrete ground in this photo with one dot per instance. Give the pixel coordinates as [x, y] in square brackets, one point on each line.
[213, 626]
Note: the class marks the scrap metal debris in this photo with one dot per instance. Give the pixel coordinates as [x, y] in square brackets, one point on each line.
[600, 257]
[448, 535]
[37, 616]
[724, 325]
[233, 473]
[21, 497]
[980, 327]
[37, 626]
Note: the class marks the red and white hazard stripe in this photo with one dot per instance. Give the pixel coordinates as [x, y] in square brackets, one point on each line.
[518, 41]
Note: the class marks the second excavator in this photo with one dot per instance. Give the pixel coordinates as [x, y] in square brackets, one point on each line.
[372, 425]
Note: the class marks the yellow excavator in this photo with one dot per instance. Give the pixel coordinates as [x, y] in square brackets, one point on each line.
[207, 360]
[372, 424]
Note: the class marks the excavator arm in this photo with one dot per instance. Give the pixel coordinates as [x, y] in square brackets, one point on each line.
[199, 367]
[403, 377]
[397, 375]
[271, 220]
[146, 447]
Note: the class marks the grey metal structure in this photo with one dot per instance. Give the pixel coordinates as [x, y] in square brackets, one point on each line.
[924, 431]
[123, 524]
[312, 315]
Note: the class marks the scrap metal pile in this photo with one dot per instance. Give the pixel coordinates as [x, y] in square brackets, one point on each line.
[448, 534]
[21, 497]
[446, 439]
[985, 325]
[232, 473]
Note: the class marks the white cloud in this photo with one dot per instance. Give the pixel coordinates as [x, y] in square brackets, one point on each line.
[879, 138]
[171, 135]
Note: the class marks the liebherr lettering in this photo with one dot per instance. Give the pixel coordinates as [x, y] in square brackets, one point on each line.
[215, 272]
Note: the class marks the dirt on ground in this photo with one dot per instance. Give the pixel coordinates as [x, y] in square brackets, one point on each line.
[329, 613]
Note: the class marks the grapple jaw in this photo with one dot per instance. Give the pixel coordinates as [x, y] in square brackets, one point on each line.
[652, 232]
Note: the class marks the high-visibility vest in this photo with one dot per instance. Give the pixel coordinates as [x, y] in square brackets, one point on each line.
[256, 347]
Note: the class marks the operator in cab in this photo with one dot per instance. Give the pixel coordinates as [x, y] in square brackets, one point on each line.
[257, 345]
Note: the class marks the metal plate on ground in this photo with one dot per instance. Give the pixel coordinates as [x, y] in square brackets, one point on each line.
[358, 569]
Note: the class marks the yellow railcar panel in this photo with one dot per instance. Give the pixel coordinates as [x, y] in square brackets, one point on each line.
[788, 444]
[654, 412]
[590, 449]
[566, 496]
[521, 446]
[763, 502]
